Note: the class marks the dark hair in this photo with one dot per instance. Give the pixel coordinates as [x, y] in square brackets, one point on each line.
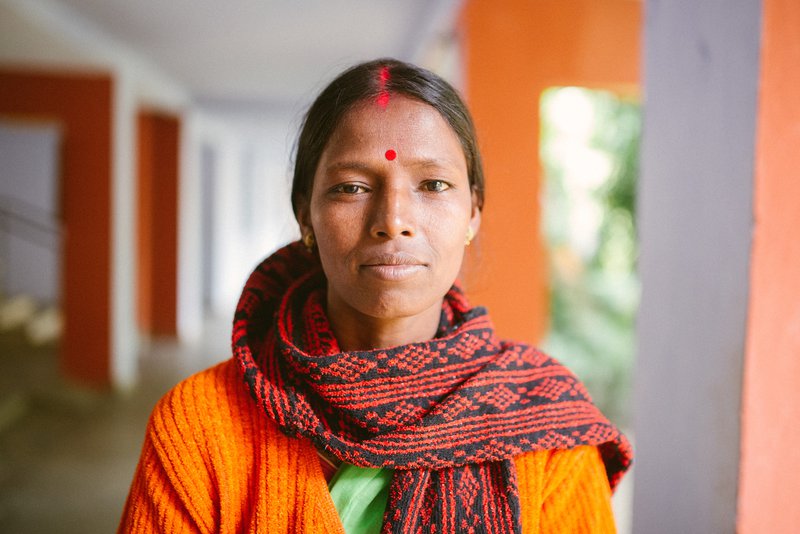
[369, 81]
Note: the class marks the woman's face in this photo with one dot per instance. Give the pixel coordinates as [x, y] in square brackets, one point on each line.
[390, 208]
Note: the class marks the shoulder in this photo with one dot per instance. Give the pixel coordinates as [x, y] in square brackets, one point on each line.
[210, 390]
[206, 409]
[564, 490]
[554, 394]
[549, 469]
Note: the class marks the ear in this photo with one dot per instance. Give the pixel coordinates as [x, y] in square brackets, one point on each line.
[303, 217]
[475, 219]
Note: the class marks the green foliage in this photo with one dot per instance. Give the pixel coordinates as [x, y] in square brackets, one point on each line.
[590, 147]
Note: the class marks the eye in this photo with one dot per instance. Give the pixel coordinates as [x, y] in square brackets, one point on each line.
[435, 186]
[349, 189]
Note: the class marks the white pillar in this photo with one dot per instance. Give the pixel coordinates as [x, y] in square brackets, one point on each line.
[695, 223]
[124, 336]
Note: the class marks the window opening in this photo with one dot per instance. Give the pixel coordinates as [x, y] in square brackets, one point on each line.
[589, 153]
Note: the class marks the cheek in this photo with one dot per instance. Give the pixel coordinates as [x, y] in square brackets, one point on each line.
[447, 233]
[337, 232]
[332, 221]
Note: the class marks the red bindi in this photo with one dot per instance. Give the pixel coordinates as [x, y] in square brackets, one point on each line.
[390, 154]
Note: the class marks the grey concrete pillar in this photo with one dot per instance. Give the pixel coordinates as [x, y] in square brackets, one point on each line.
[695, 220]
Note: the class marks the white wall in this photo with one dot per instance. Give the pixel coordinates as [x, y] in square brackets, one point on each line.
[249, 198]
[30, 229]
[695, 222]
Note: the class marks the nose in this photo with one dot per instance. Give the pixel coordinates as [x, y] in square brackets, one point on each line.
[393, 214]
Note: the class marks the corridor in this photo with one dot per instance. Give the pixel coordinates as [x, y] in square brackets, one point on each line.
[67, 455]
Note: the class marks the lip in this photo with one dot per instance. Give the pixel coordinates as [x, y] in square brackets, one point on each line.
[394, 266]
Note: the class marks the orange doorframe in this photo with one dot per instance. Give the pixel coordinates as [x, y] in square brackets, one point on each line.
[82, 105]
[515, 50]
[158, 187]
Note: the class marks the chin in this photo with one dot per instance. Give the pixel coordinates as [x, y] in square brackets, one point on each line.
[396, 307]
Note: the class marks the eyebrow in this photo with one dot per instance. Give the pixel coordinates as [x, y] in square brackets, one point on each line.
[347, 166]
[431, 162]
[424, 163]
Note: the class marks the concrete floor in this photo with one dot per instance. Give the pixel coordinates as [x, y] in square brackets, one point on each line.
[67, 455]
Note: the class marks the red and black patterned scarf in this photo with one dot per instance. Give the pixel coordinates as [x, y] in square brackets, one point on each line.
[448, 415]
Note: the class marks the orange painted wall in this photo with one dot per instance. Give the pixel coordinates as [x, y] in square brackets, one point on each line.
[514, 50]
[770, 455]
[82, 105]
[158, 172]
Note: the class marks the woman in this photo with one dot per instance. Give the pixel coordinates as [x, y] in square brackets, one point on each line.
[365, 393]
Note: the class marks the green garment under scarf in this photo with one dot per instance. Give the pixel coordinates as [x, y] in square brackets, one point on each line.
[360, 495]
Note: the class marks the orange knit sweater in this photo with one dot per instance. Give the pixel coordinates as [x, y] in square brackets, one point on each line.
[211, 462]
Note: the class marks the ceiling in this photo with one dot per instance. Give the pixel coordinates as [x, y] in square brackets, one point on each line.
[265, 51]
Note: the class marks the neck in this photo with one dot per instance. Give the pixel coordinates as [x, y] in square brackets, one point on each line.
[356, 331]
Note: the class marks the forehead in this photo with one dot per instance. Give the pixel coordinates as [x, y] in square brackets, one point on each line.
[405, 125]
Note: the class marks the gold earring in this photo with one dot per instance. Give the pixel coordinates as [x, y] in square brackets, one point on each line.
[309, 241]
[470, 236]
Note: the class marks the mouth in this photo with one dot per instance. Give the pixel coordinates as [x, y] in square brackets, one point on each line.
[395, 266]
